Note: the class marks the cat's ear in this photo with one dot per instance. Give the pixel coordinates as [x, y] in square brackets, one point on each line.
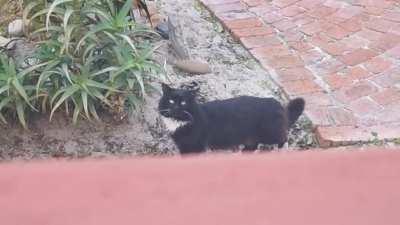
[193, 92]
[166, 88]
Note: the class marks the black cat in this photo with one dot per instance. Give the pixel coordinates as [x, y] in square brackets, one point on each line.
[227, 123]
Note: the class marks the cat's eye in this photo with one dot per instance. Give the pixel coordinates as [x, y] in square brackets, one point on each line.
[171, 101]
[183, 103]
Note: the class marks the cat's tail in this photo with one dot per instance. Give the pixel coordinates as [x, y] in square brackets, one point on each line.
[294, 109]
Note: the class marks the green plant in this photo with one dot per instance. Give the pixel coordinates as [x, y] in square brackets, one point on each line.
[16, 90]
[83, 91]
[90, 53]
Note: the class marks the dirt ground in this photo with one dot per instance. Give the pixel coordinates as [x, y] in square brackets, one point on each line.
[234, 73]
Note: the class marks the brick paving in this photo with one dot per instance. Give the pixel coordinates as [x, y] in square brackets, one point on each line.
[342, 56]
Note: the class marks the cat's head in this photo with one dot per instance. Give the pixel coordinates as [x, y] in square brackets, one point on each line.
[178, 104]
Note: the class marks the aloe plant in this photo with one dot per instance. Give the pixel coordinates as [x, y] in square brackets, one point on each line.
[83, 91]
[89, 51]
[16, 91]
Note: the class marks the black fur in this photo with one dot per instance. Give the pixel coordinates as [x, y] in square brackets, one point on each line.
[227, 123]
[294, 109]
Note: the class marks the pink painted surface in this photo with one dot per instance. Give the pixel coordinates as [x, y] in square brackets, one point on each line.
[308, 188]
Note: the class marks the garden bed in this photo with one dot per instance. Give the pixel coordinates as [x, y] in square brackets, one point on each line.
[234, 73]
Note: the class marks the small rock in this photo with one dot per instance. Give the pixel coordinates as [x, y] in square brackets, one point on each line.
[16, 28]
[193, 66]
[156, 19]
[162, 29]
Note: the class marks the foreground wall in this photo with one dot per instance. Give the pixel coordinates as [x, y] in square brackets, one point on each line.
[303, 188]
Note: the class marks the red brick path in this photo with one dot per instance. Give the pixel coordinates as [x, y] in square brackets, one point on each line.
[301, 188]
[342, 56]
